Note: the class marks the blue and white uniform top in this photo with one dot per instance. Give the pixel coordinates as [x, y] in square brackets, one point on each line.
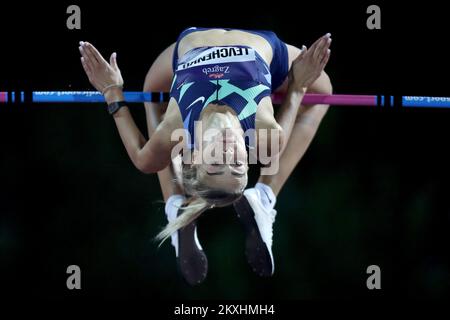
[236, 76]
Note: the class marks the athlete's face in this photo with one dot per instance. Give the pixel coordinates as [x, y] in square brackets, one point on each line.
[224, 162]
[223, 177]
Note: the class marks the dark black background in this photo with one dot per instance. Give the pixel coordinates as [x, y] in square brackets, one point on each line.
[372, 189]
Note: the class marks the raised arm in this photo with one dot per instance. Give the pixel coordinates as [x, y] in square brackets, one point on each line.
[306, 68]
[148, 156]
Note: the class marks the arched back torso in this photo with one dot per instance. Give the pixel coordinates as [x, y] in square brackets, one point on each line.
[223, 37]
[248, 96]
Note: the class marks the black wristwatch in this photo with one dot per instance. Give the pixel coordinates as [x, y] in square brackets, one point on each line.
[113, 107]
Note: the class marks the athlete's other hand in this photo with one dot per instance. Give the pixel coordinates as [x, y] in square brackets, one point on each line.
[309, 64]
[101, 74]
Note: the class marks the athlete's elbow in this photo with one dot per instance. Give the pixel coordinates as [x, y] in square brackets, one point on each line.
[150, 165]
[145, 167]
[146, 170]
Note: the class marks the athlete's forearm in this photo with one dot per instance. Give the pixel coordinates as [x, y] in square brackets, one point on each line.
[130, 134]
[288, 113]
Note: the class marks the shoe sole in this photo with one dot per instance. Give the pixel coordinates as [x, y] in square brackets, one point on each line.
[256, 251]
[192, 262]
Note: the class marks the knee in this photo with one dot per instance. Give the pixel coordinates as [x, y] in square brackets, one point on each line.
[314, 114]
[149, 83]
[156, 81]
[322, 85]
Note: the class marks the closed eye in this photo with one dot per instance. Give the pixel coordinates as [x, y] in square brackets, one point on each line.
[222, 172]
[237, 164]
[238, 174]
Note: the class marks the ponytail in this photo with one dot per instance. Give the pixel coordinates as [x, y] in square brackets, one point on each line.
[195, 207]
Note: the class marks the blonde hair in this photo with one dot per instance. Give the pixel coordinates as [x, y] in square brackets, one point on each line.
[200, 199]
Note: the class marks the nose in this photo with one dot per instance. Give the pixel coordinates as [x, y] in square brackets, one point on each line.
[229, 147]
[229, 153]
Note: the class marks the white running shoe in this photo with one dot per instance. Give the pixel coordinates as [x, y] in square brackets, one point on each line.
[191, 259]
[257, 222]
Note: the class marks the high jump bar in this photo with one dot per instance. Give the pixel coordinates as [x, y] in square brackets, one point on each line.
[308, 99]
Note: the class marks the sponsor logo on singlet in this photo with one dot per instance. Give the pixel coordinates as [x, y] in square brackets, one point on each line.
[215, 55]
[216, 72]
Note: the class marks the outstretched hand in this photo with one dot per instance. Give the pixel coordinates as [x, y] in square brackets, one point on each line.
[309, 64]
[102, 75]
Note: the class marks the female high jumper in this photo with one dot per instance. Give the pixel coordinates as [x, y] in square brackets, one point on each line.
[221, 114]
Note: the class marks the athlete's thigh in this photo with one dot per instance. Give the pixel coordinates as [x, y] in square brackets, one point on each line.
[158, 79]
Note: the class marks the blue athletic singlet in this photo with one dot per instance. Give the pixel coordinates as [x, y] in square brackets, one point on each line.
[236, 76]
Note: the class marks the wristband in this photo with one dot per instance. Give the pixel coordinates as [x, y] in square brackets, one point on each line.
[111, 86]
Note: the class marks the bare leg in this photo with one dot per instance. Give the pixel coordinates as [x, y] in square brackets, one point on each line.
[166, 177]
[306, 125]
[158, 79]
